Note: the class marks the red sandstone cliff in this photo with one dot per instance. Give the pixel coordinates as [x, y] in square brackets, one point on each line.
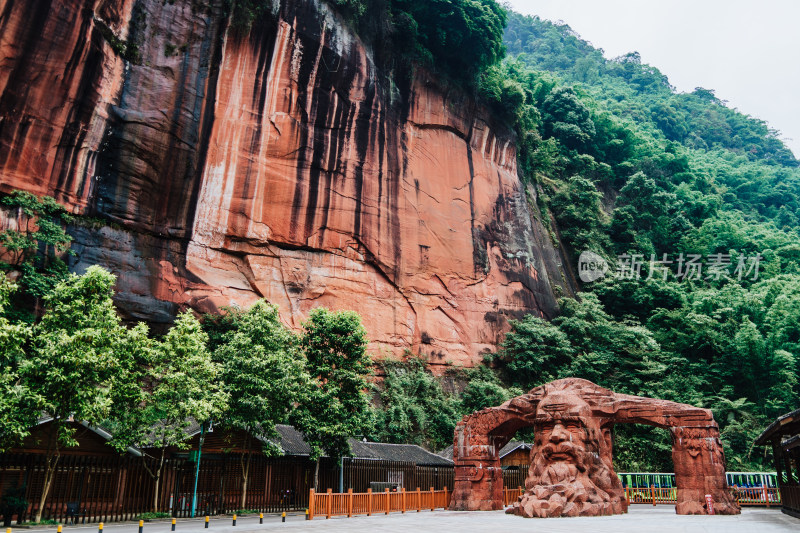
[280, 164]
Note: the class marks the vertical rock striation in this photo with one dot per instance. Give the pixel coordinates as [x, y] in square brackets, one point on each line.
[279, 164]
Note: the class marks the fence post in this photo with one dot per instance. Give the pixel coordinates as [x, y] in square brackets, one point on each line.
[419, 500]
[350, 502]
[328, 501]
[311, 504]
[369, 502]
[387, 501]
[403, 498]
[446, 500]
[653, 494]
[766, 496]
[433, 504]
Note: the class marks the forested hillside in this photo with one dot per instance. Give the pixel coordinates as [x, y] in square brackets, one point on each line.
[693, 205]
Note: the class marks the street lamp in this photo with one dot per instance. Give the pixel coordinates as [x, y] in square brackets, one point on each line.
[197, 465]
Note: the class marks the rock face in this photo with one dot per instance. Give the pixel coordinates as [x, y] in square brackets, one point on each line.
[572, 472]
[281, 164]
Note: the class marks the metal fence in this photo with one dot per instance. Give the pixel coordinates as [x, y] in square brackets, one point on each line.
[89, 488]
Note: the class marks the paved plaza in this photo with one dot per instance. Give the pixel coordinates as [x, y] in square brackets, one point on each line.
[640, 519]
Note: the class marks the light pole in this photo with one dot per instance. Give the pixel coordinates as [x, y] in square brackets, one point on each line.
[197, 468]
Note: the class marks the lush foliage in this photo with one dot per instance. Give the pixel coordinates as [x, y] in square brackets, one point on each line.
[628, 166]
[456, 38]
[416, 407]
[336, 406]
[261, 369]
[34, 246]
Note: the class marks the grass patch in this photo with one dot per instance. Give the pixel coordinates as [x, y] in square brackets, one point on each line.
[153, 516]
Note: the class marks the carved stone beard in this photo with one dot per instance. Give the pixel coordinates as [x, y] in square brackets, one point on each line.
[559, 473]
[583, 486]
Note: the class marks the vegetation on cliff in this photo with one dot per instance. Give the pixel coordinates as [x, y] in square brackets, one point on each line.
[456, 38]
[657, 183]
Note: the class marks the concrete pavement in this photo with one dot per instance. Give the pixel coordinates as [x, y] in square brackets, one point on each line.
[640, 519]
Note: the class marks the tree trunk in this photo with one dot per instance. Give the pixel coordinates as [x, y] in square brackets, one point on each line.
[245, 468]
[316, 476]
[245, 475]
[52, 461]
[157, 477]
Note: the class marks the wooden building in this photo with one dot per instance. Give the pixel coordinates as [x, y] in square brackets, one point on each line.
[94, 482]
[784, 437]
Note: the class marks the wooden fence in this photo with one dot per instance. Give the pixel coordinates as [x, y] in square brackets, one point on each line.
[791, 499]
[351, 503]
[510, 496]
[112, 488]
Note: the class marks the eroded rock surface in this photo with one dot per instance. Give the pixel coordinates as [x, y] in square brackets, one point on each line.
[279, 164]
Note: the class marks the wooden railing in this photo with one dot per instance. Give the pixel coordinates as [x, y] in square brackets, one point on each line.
[351, 503]
[510, 496]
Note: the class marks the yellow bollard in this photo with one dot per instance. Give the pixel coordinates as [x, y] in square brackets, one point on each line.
[100, 527]
[173, 524]
[260, 518]
[307, 515]
[206, 521]
[59, 528]
[141, 526]
[283, 516]
[234, 519]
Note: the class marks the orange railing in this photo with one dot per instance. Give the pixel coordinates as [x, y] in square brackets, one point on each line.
[510, 496]
[351, 503]
[652, 495]
[745, 496]
[757, 496]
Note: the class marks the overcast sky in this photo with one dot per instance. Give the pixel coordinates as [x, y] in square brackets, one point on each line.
[748, 51]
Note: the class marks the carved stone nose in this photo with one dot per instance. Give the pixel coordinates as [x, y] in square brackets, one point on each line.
[559, 434]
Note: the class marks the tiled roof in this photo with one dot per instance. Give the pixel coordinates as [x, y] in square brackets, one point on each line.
[292, 443]
[785, 426]
[447, 453]
[513, 445]
[397, 452]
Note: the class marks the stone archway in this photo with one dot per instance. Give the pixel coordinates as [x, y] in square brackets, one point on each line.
[571, 471]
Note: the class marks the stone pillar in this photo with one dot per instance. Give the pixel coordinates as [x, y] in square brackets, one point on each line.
[478, 473]
[699, 470]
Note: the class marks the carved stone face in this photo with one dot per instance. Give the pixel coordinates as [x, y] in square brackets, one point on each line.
[563, 439]
[567, 475]
[564, 430]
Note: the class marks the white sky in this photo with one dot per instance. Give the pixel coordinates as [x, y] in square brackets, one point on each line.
[747, 51]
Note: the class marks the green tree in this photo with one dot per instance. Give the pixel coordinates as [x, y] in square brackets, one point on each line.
[414, 407]
[263, 374]
[74, 362]
[483, 390]
[180, 389]
[35, 247]
[335, 406]
[535, 352]
[17, 407]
